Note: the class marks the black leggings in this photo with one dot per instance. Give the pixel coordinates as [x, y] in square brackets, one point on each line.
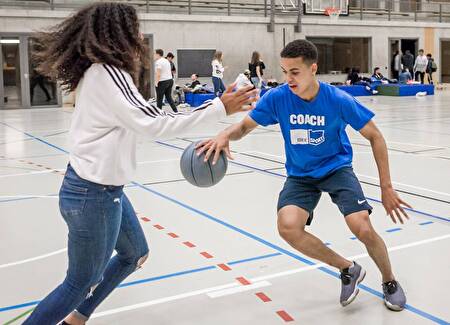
[164, 88]
[421, 75]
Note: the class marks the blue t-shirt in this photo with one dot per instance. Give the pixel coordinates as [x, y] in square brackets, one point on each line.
[315, 140]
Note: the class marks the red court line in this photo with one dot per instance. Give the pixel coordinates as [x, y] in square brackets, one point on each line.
[145, 219]
[171, 234]
[243, 281]
[206, 255]
[224, 267]
[263, 297]
[285, 316]
[158, 227]
[189, 244]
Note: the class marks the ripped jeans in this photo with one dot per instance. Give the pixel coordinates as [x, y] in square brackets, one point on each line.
[100, 219]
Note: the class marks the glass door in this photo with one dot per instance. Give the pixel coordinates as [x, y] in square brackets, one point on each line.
[11, 77]
[42, 91]
[21, 86]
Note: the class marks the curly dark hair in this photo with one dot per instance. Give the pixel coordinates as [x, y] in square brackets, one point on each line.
[301, 48]
[103, 32]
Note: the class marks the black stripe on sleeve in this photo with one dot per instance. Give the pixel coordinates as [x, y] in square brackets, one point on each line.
[122, 88]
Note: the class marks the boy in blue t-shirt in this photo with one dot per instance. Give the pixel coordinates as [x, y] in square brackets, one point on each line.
[313, 117]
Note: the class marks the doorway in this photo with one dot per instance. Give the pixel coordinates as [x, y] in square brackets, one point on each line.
[11, 75]
[445, 61]
[402, 45]
[21, 86]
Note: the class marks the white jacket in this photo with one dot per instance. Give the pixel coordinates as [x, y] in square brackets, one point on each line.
[109, 113]
[421, 63]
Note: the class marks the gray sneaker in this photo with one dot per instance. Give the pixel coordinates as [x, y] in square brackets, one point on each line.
[394, 297]
[350, 279]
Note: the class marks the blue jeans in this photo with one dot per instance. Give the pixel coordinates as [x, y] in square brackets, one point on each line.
[256, 82]
[100, 219]
[219, 87]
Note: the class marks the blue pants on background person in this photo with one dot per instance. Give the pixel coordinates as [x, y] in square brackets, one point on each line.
[219, 86]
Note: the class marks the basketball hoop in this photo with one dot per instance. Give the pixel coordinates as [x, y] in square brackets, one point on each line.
[332, 12]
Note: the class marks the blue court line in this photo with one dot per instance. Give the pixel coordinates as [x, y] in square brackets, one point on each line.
[27, 304]
[265, 242]
[393, 229]
[254, 258]
[161, 277]
[425, 223]
[171, 275]
[284, 176]
[418, 212]
[282, 250]
[35, 138]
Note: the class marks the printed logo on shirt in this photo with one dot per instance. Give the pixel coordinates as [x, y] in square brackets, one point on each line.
[312, 137]
[301, 119]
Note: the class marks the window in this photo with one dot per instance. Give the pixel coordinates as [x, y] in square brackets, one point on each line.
[338, 54]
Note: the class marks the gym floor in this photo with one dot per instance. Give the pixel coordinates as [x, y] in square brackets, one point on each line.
[215, 254]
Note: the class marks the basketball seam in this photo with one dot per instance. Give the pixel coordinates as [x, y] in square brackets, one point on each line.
[192, 166]
[211, 172]
[225, 163]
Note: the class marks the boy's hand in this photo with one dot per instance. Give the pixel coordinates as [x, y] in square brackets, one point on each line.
[216, 145]
[393, 204]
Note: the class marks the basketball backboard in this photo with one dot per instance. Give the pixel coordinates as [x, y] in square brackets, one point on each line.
[318, 7]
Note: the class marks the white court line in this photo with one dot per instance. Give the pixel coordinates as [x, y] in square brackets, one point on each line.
[408, 185]
[163, 300]
[60, 170]
[156, 161]
[28, 196]
[367, 176]
[234, 284]
[33, 258]
[355, 257]
[242, 288]
[32, 173]
[405, 143]
[270, 155]
[353, 141]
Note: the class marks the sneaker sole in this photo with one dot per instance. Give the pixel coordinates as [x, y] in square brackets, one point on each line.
[355, 293]
[392, 307]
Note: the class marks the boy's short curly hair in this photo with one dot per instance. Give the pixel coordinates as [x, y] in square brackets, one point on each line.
[301, 49]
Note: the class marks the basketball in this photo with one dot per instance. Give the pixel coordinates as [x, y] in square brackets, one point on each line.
[200, 173]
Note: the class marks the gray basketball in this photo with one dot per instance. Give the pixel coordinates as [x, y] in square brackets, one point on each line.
[200, 173]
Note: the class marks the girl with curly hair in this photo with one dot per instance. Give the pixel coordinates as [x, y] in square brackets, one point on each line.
[98, 51]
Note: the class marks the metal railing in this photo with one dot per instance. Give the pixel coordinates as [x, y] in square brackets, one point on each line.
[358, 9]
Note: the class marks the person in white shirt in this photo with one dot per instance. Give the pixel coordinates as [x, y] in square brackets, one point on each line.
[99, 51]
[397, 68]
[420, 67]
[170, 57]
[163, 80]
[217, 73]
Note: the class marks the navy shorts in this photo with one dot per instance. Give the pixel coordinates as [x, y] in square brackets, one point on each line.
[342, 185]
